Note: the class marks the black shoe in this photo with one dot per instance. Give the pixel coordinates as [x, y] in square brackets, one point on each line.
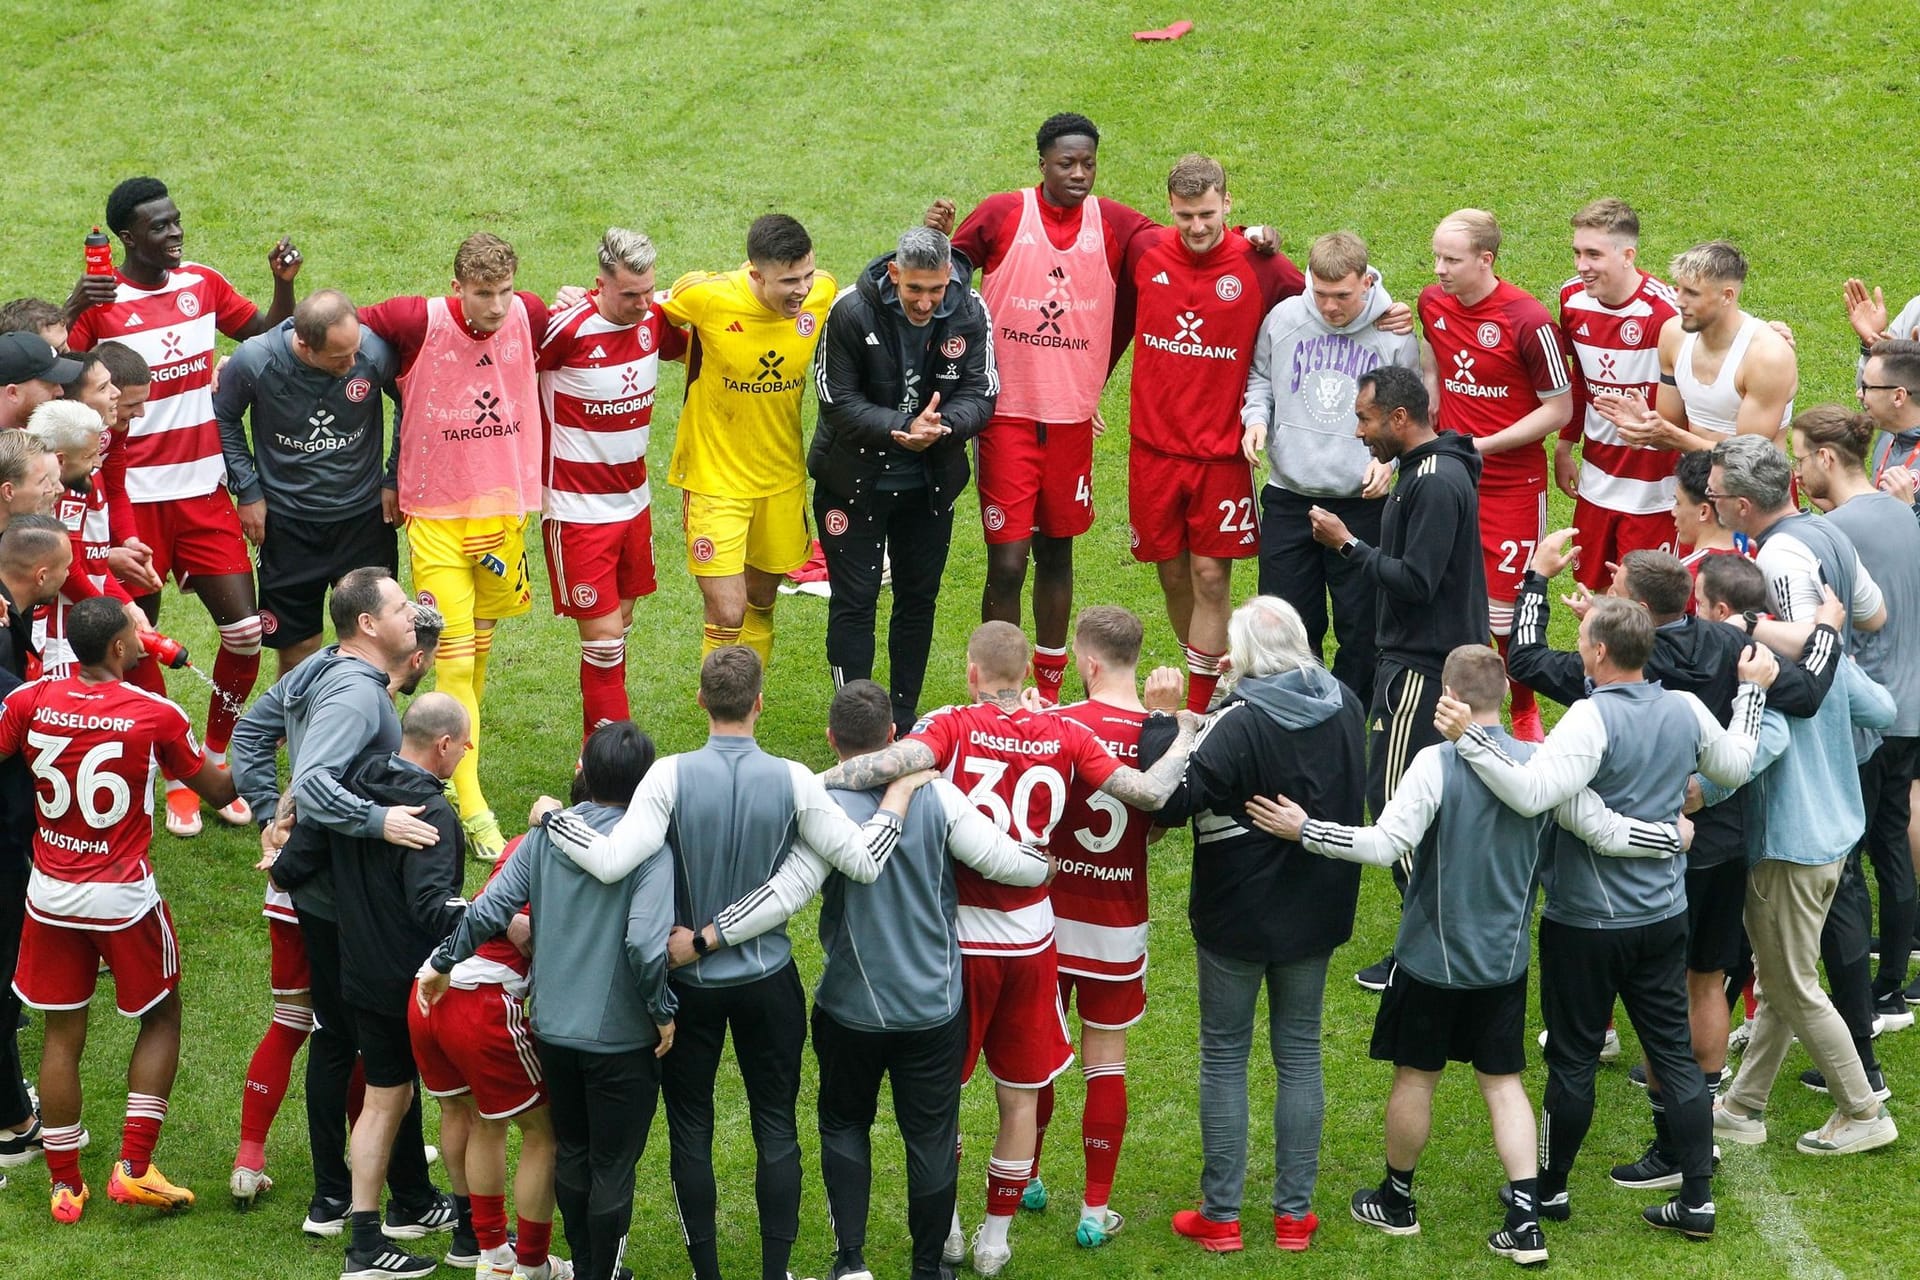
[325, 1218]
[1374, 976]
[1526, 1246]
[438, 1215]
[1694, 1224]
[1876, 1081]
[1913, 992]
[1371, 1208]
[1637, 1075]
[464, 1251]
[1555, 1208]
[1654, 1171]
[386, 1263]
[1892, 1009]
[18, 1148]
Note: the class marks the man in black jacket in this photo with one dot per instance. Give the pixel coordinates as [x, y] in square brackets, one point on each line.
[1430, 579]
[395, 905]
[906, 377]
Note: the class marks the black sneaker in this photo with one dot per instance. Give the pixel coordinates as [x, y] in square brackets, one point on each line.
[1637, 1075]
[1694, 1224]
[1374, 976]
[1371, 1208]
[1893, 1012]
[1876, 1081]
[464, 1251]
[1556, 1208]
[438, 1215]
[1654, 1171]
[326, 1218]
[1913, 992]
[1526, 1246]
[18, 1148]
[386, 1263]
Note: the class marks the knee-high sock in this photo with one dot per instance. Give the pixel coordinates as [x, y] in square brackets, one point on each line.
[1103, 1126]
[1043, 1116]
[482, 650]
[145, 1114]
[756, 632]
[712, 637]
[454, 669]
[1050, 671]
[235, 669]
[1203, 677]
[603, 682]
[267, 1076]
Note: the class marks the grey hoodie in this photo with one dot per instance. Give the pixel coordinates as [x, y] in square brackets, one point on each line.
[1302, 387]
[330, 709]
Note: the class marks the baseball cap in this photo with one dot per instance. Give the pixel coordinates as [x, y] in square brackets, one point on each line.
[26, 356]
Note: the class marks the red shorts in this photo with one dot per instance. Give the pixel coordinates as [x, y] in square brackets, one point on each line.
[1180, 504]
[1604, 537]
[193, 536]
[1512, 522]
[1014, 1017]
[477, 1041]
[593, 567]
[1108, 1004]
[288, 958]
[1035, 478]
[60, 965]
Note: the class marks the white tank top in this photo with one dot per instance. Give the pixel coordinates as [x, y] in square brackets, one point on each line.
[1715, 406]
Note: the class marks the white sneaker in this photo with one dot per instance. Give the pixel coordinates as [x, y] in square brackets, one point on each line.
[495, 1264]
[989, 1260]
[1610, 1047]
[433, 1153]
[1748, 1131]
[1842, 1134]
[1895, 1020]
[246, 1185]
[1738, 1037]
[552, 1269]
[954, 1251]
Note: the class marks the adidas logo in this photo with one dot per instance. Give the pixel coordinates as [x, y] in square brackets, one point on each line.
[133, 322]
[1581, 332]
[736, 327]
[1161, 278]
[872, 341]
[1026, 237]
[1440, 322]
[598, 353]
[483, 362]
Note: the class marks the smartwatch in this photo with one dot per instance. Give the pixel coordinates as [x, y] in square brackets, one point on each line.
[701, 946]
[1347, 548]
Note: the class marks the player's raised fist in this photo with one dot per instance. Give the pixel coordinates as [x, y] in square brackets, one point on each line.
[940, 216]
[284, 260]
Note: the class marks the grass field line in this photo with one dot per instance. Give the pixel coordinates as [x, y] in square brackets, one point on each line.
[1779, 1229]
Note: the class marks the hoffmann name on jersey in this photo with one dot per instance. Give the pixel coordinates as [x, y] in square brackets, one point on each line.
[597, 383]
[92, 750]
[1017, 768]
[1100, 893]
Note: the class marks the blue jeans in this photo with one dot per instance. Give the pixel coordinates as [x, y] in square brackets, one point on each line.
[1229, 989]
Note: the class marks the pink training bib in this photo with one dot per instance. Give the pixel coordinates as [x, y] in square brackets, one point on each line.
[470, 441]
[1052, 318]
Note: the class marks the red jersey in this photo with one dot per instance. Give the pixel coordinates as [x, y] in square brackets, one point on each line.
[1194, 331]
[496, 960]
[91, 749]
[1100, 894]
[85, 517]
[597, 382]
[1496, 361]
[1016, 767]
[174, 450]
[1617, 349]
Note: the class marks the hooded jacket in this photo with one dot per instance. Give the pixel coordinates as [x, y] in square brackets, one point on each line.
[395, 905]
[1428, 567]
[330, 710]
[874, 372]
[1253, 896]
[1302, 385]
[1690, 655]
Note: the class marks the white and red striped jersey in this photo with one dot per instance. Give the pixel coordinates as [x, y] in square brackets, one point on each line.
[597, 382]
[1016, 767]
[1618, 349]
[92, 750]
[1100, 893]
[174, 451]
[85, 517]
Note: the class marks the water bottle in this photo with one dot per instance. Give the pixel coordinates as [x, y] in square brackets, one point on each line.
[99, 254]
[164, 650]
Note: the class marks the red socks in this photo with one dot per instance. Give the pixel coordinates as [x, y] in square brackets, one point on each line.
[490, 1220]
[534, 1244]
[1203, 676]
[1049, 672]
[1006, 1183]
[145, 1115]
[1103, 1126]
[603, 683]
[1043, 1116]
[236, 667]
[267, 1077]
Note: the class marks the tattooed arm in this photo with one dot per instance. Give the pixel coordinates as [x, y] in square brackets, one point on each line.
[1147, 790]
[877, 768]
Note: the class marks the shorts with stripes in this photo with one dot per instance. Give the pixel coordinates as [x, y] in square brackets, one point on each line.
[1399, 725]
[477, 1041]
[60, 963]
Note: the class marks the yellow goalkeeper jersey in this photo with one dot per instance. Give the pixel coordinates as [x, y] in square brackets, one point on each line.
[747, 366]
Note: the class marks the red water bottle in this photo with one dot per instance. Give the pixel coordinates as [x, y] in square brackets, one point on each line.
[99, 254]
[164, 650]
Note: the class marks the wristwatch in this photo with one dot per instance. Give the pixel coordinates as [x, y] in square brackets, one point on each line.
[701, 946]
[1347, 548]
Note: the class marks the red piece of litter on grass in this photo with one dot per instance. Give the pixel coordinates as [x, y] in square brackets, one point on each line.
[1173, 32]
